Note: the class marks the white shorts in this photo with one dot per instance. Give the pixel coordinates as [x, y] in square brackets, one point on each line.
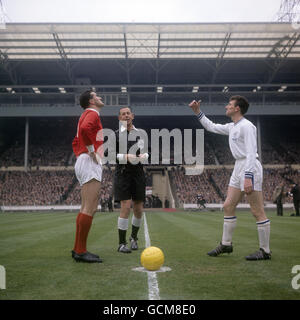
[86, 169]
[238, 175]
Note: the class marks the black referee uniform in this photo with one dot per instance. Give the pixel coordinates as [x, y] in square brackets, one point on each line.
[129, 179]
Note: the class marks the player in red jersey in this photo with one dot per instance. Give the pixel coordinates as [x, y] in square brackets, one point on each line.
[88, 169]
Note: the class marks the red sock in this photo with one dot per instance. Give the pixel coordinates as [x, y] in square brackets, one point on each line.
[77, 229]
[84, 225]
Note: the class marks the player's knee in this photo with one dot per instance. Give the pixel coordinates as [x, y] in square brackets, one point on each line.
[90, 209]
[125, 211]
[227, 207]
[258, 213]
[126, 204]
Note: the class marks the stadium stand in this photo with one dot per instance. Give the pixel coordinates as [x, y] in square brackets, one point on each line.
[49, 150]
[34, 188]
[61, 187]
[158, 93]
[73, 197]
[187, 187]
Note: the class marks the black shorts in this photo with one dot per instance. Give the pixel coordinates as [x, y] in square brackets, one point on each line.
[130, 185]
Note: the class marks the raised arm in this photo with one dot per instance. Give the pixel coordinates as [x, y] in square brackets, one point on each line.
[206, 123]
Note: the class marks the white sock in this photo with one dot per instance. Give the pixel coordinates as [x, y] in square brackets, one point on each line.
[122, 224]
[228, 228]
[263, 228]
[136, 222]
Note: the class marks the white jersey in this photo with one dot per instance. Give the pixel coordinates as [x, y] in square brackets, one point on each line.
[242, 139]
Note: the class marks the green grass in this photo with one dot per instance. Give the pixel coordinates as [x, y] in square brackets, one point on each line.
[35, 251]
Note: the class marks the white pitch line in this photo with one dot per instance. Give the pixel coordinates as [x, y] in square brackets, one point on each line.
[152, 280]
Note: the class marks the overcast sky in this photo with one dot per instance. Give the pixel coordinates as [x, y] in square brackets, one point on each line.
[141, 10]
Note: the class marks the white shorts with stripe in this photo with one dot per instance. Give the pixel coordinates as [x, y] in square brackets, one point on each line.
[86, 169]
[238, 175]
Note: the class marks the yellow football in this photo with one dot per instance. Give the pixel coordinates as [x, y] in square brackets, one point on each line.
[152, 258]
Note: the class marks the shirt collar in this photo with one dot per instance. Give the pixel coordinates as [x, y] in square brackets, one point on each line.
[93, 110]
[239, 121]
[123, 128]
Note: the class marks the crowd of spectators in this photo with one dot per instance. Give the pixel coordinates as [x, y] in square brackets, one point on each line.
[209, 154]
[50, 155]
[290, 175]
[188, 186]
[105, 192]
[272, 179]
[292, 151]
[61, 187]
[283, 152]
[270, 154]
[275, 177]
[57, 151]
[54, 152]
[212, 184]
[34, 188]
[221, 179]
[49, 144]
[219, 145]
[13, 156]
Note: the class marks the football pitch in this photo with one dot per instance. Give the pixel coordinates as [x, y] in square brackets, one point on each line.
[35, 252]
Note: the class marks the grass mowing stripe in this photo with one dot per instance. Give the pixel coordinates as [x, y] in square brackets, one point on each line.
[27, 237]
[33, 225]
[27, 217]
[192, 228]
[50, 222]
[38, 219]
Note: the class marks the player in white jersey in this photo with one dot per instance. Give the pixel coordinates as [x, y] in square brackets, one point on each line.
[246, 177]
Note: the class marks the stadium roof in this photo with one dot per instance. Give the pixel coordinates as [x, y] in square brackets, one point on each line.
[148, 40]
[196, 55]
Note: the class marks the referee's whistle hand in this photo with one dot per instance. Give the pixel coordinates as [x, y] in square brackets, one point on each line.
[144, 156]
[132, 158]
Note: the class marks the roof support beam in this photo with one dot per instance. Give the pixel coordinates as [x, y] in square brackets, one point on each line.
[6, 65]
[127, 60]
[66, 62]
[220, 62]
[281, 53]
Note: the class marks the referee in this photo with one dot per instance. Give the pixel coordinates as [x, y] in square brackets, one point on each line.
[129, 180]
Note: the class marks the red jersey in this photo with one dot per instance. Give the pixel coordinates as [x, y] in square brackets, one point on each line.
[88, 132]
